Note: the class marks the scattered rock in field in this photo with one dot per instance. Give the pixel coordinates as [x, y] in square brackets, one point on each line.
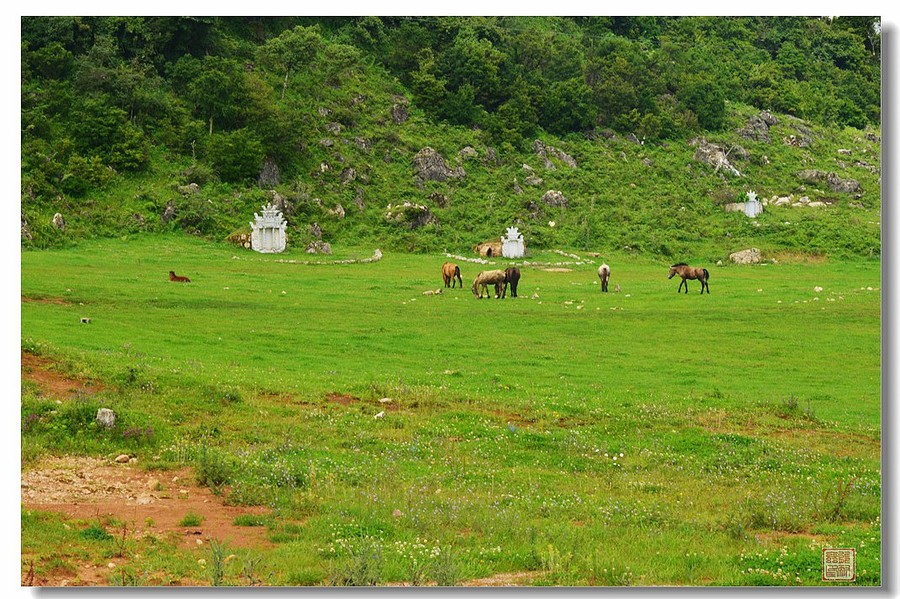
[714, 155]
[26, 230]
[333, 128]
[123, 458]
[439, 198]
[433, 292]
[410, 214]
[337, 211]
[748, 256]
[348, 175]
[533, 180]
[756, 129]
[768, 118]
[270, 175]
[399, 111]
[834, 182]
[105, 416]
[467, 153]
[431, 166]
[318, 247]
[315, 230]
[189, 189]
[545, 152]
[555, 198]
[59, 222]
[169, 212]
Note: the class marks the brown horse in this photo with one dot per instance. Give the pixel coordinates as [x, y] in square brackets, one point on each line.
[689, 272]
[603, 273]
[512, 280]
[488, 277]
[450, 272]
[177, 279]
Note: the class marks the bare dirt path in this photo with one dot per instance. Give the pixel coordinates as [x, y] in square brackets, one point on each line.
[147, 502]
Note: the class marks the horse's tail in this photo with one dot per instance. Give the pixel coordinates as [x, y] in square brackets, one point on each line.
[705, 274]
[456, 272]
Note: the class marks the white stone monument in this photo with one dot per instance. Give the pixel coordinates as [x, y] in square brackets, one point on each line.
[752, 207]
[513, 243]
[268, 235]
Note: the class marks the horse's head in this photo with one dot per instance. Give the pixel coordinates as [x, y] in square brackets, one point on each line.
[673, 271]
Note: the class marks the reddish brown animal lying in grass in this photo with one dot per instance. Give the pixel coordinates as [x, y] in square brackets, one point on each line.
[177, 279]
[450, 272]
[497, 278]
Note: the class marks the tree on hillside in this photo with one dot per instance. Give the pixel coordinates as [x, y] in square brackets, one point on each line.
[291, 50]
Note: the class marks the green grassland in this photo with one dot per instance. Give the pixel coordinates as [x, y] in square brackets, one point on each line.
[643, 437]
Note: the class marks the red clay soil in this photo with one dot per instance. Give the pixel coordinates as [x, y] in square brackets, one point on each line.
[51, 382]
[148, 502]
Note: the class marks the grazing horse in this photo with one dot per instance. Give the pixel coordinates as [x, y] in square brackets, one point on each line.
[177, 279]
[512, 280]
[690, 272]
[450, 272]
[603, 273]
[488, 277]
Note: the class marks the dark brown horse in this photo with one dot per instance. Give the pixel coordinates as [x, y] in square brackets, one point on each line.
[689, 272]
[512, 281]
[450, 272]
[177, 279]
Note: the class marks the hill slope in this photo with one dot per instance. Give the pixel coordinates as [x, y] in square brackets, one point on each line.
[154, 124]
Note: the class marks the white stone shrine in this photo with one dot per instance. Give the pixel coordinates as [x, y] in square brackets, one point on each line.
[513, 243]
[752, 207]
[268, 232]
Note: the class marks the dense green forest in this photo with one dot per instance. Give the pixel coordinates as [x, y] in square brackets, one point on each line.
[136, 124]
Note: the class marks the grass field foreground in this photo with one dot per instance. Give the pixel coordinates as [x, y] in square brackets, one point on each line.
[643, 437]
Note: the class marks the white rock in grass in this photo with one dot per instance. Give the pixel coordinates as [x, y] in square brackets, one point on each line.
[106, 417]
[123, 458]
[379, 415]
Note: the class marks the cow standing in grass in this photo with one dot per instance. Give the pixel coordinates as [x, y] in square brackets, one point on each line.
[497, 278]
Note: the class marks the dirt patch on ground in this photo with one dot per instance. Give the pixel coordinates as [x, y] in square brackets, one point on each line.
[147, 502]
[53, 383]
[46, 300]
[557, 269]
[342, 398]
[505, 579]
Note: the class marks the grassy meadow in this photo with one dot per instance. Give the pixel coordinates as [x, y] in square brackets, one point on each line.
[642, 438]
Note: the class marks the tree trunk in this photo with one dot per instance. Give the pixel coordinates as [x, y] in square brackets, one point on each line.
[287, 74]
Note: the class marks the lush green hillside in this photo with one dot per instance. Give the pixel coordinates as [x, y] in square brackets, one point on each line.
[156, 124]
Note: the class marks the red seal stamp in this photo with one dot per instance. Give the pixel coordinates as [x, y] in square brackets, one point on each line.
[838, 565]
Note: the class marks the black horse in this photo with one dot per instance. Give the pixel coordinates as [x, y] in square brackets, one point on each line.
[512, 280]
